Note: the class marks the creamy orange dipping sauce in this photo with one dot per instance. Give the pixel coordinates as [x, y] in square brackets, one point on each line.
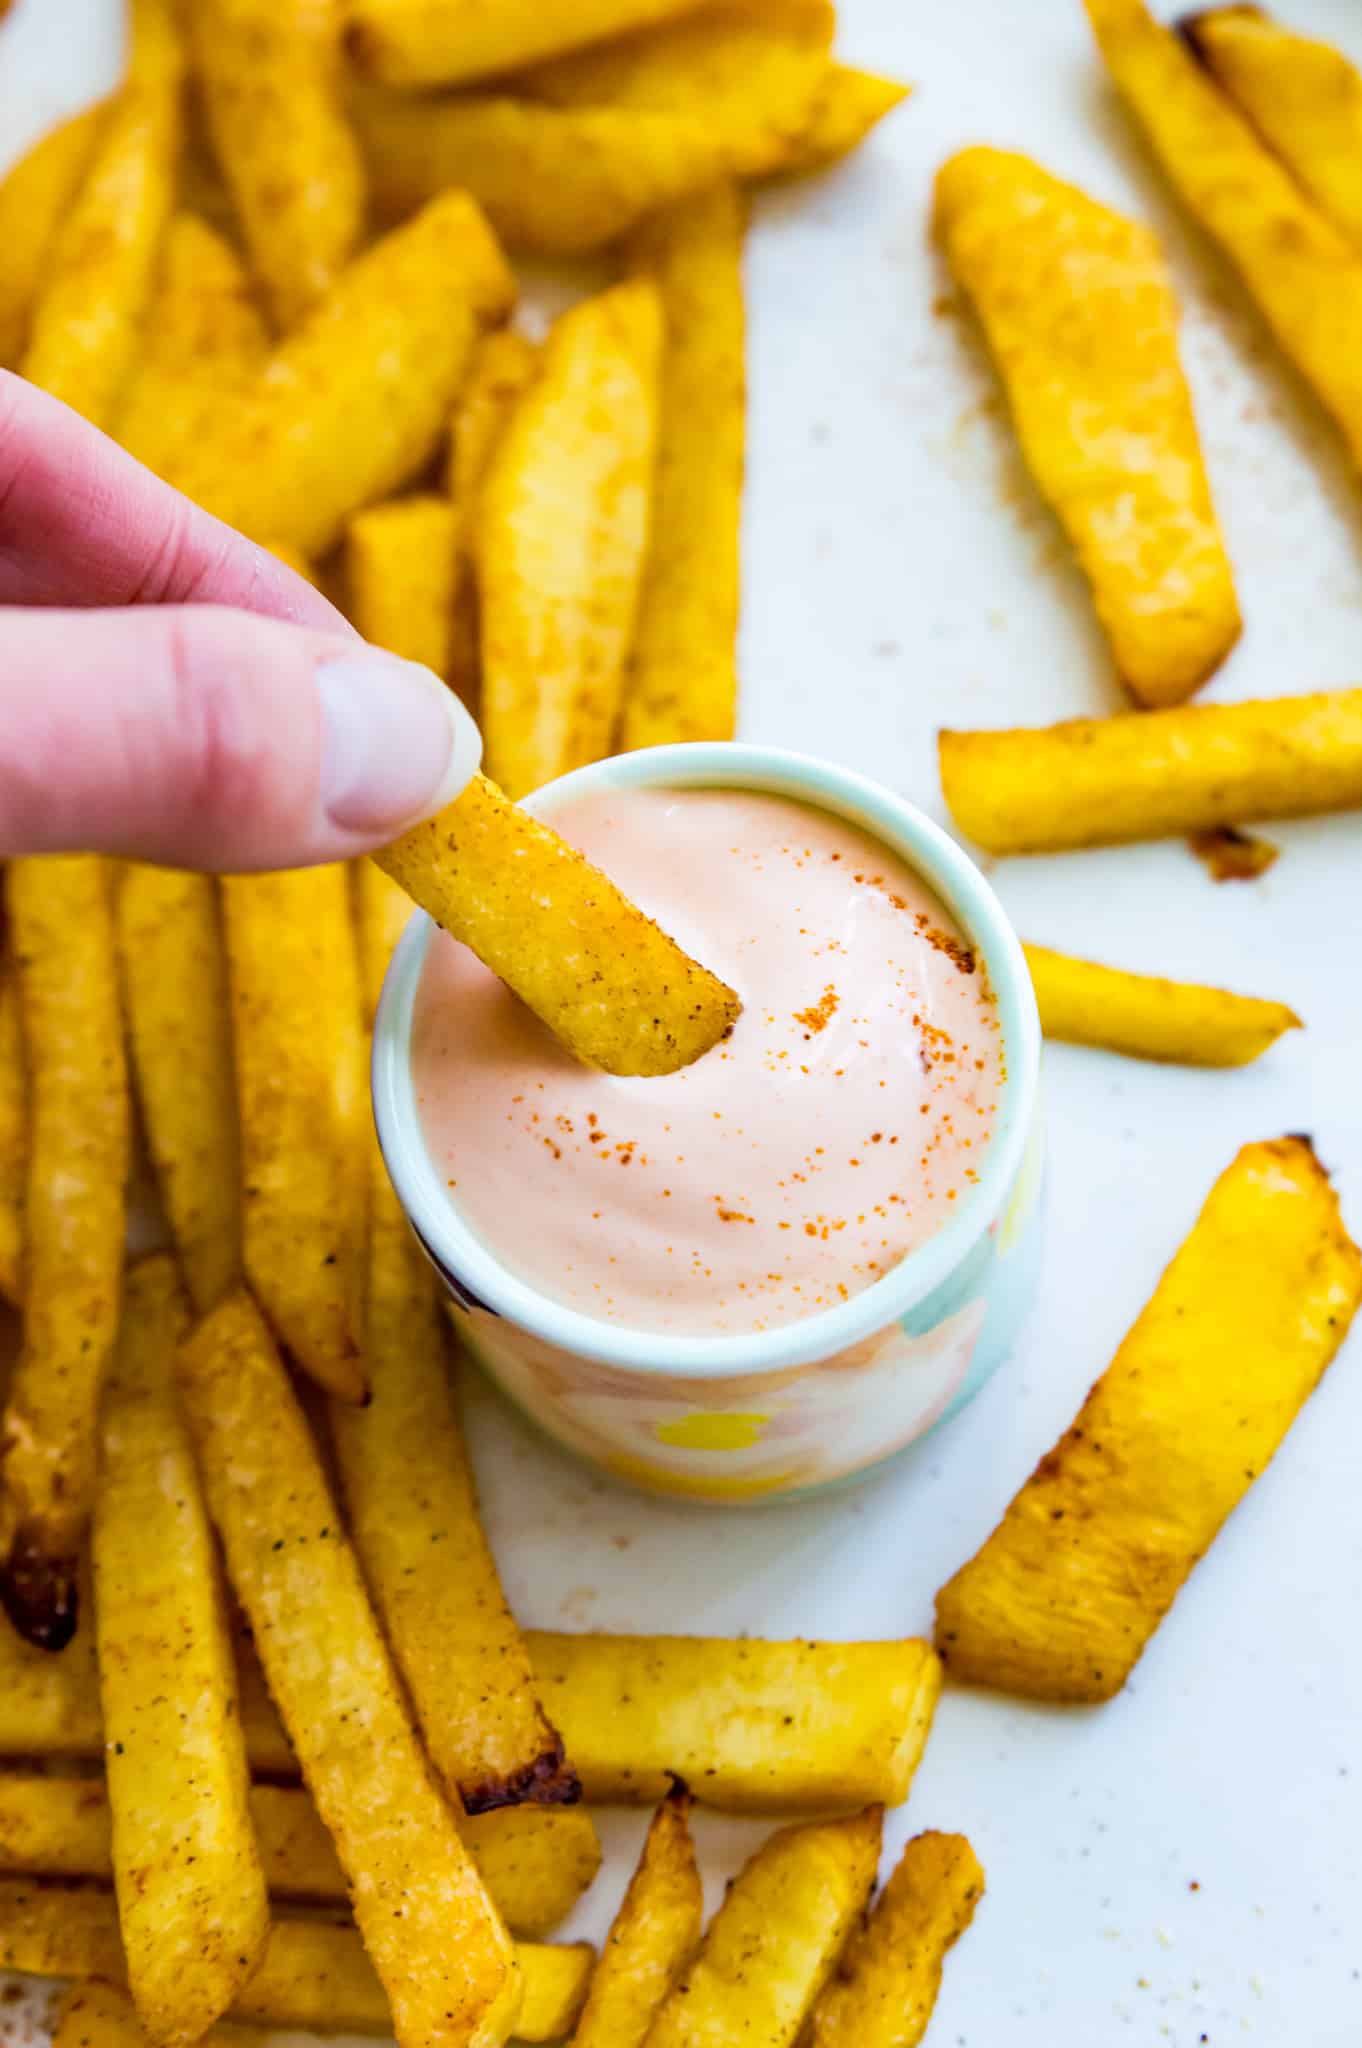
[791, 1167]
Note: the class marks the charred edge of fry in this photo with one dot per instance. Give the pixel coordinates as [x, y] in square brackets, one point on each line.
[1187, 27]
[1231, 855]
[38, 1593]
[549, 1780]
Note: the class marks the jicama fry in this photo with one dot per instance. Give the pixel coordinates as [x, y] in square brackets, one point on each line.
[36, 195]
[1080, 316]
[1102, 781]
[776, 1938]
[849, 104]
[204, 341]
[432, 1932]
[652, 1937]
[682, 679]
[13, 1137]
[503, 367]
[401, 564]
[179, 1028]
[1065, 1594]
[562, 525]
[356, 399]
[192, 1906]
[269, 73]
[1305, 276]
[429, 42]
[603, 977]
[1303, 97]
[315, 1975]
[98, 269]
[1151, 1018]
[751, 72]
[65, 955]
[887, 1982]
[754, 1727]
[552, 179]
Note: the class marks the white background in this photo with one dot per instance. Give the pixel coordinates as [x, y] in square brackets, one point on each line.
[901, 574]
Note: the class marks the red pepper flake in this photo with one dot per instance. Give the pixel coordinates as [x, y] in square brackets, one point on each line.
[819, 1015]
[735, 1216]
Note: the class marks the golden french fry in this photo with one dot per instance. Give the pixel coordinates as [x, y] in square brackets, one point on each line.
[192, 1905]
[401, 566]
[270, 80]
[776, 1938]
[751, 71]
[553, 179]
[432, 42]
[1063, 1597]
[504, 365]
[1103, 781]
[356, 399]
[1081, 319]
[887, 1982]
[1304, 274]
[205, 339]
[754, 1727]
[1303, 97]
[682, 679]
[1151, 1018]
[605, 979]
[432, 1932]
[61, 918]
[97, 269]
[174, 970]
[561, 529]
[314, 1975]
[652, 1937]
[13, 1138]
[300, 1071]
[98, 2015]
[36, 195]
[849, 104]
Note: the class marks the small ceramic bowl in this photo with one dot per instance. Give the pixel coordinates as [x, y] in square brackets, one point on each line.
[782, 1411]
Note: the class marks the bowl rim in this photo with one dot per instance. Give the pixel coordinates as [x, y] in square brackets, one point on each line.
[945, 866]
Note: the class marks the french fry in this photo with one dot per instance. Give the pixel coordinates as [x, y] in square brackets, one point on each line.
[96, 272]
[754, 1727]
[1103, 781]
[556, 180]
[652, 1937]
[432, 42]
[401, 567]
[1151, 1018]
[314, 1976]
[98, 2015]
[1065, 1594]
[299, 1057]
[431, 1930]
[192, 1905]
[562, 525]
[1081, 319]
[204, 340]
[36, 195]
[1305, 276]
[269, 74]
[605, 979]
[776, 1938]
[849, 104]
[61, 917]
[887, 1982]
[174, 972]
[356, 399]
[503, 367]
[749, 70]
[682, 681]
[13, 1138]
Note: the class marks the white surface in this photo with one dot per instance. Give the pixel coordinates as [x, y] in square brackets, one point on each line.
[901, 574]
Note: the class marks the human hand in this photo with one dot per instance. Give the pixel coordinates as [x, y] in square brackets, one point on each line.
[170, 691]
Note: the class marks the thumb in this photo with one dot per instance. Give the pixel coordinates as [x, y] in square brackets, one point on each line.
[204, 737]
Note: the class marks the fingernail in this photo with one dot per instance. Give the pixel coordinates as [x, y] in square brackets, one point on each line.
[397, 745]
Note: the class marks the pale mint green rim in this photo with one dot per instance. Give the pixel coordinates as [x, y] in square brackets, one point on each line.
[934, 855]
